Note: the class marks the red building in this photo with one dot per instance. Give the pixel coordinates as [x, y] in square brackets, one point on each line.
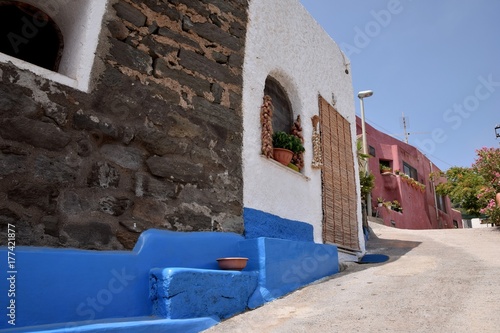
[404, 185]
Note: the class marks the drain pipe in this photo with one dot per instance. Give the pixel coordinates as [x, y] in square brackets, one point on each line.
[435, 197]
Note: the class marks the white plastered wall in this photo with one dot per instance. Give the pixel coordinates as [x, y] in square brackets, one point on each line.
[80, 22]
[284, 41]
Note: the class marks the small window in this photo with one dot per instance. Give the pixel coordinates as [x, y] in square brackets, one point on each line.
[371, 151]
[282, 114]
[410, 171]
[29, 34]
[441, 203]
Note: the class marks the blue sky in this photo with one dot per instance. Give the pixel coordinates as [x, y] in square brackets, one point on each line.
[436, 61]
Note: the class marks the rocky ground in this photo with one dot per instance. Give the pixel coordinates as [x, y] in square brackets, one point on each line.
[435, 281]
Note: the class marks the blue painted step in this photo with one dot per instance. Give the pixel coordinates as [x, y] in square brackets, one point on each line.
[191, 293]
[125, 325]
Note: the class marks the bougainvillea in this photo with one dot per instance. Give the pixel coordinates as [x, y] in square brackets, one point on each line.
[487, 165]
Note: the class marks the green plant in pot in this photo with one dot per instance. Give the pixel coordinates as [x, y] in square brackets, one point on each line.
[285, 145]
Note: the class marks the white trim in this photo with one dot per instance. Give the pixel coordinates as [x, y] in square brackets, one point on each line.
[80, 22]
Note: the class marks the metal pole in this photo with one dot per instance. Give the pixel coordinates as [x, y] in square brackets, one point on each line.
[365, 151]
[363, 130]
[435, 197]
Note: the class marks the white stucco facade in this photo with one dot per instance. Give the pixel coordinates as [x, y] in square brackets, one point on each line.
[285, 42]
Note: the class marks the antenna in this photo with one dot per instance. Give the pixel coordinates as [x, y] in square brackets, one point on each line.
[405, 123]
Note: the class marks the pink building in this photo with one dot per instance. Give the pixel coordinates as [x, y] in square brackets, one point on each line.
[408, 182]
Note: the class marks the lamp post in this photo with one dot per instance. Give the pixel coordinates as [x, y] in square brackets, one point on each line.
[497, 128]
[361, 95]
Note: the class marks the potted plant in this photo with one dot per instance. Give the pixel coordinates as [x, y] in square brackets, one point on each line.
[385, 169]
[380, 201]
[396, 206]
[284, 146]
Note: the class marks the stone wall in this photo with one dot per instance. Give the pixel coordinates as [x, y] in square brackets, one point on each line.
[156, 143]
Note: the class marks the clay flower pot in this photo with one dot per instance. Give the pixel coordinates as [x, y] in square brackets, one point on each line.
[498, 199]
[232, 263]
[284, 156]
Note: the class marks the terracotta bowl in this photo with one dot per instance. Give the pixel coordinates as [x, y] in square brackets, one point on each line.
[232, 263]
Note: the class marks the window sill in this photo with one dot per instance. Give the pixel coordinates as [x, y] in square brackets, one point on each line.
[42, 72]
[281, 166]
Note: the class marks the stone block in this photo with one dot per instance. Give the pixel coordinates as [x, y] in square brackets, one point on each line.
[238, 8]
[148, 186]
[115, 206]
[130, 13]
[153, 211]
[181, 293]
[163, 70]
[157, 48]
[195, 5]
[103, 175]
[13, 101]
[206, 67]
[89, 234]
[8, 216]
[131, 57]
[118, 30]
[126, 157]
[73, 203]
[12, 164]
[178, 38]
[214, 34]
[159, 143]
[217, 91]
[58, 170]
[32, 194]
[95, 124]
[217, 114]
[51, 225]
[177, 168]
[35, 133]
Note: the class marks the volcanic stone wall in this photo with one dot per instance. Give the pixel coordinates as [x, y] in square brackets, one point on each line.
[155, 143]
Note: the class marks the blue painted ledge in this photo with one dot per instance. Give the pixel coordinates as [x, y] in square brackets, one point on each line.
[262, 224]
[68, 285]
[285, 266]
[67, 290]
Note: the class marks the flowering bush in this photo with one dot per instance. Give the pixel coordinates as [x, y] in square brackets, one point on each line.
[487, 165]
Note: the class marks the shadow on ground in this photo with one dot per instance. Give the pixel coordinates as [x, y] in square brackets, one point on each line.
[394, 248]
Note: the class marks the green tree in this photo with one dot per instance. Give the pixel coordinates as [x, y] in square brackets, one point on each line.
[473, 189]
[462, 186]
[366, 179]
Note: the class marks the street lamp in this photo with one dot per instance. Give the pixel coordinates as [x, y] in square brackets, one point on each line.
[361, 95]
[497, 128]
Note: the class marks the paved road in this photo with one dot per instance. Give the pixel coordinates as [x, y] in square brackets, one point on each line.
[435, 281]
